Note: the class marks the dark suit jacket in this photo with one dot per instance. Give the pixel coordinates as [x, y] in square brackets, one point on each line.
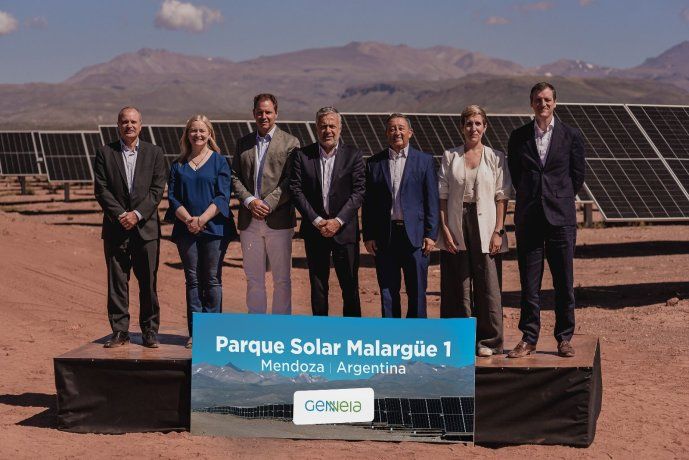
[274, 183]
[110, 188]
[420, 202]
[344, 197]
[553, 185]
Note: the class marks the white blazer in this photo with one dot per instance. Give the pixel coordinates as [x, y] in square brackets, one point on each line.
[492, 183]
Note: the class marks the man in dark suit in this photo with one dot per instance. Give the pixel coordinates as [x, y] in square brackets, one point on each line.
[400, 218]
[261, 170]
[328, 182]
[130, 176]
[547, 165]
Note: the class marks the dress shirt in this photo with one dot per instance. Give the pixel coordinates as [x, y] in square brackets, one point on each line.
[327, 161]
[262, 144]
[543, 139]
[129, 157]
[397, 162]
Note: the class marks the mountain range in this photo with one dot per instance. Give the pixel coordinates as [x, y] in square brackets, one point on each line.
[359, 76]
[228, 385]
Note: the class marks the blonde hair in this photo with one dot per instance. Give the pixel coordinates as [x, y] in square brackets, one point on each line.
[185, 145]
[470, 111]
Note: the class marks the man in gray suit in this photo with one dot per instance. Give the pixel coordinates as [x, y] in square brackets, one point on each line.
[130, 176]
[261, 171]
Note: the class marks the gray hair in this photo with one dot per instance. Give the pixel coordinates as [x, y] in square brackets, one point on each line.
[323, 111]
[126, 108]
[398, 115]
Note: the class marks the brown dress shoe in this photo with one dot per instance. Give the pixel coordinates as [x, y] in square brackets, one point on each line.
[565, 349]
[150, 339]
[522, 349]
[117, 339]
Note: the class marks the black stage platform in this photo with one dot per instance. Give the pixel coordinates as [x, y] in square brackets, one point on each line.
[539, 399]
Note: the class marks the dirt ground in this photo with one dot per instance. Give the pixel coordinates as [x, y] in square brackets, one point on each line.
[52, 299]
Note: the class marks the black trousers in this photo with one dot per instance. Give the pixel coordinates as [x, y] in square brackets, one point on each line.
[535, 241]
[120, 258]
[345, 258]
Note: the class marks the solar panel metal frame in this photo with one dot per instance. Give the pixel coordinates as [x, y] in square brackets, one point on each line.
[657, 156]
[86, 156]
[35, 153]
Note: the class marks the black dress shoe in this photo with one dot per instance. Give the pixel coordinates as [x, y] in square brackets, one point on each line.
[150, 339]
[117, 339]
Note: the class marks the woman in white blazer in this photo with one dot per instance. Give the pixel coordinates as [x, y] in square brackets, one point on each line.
[474, 188]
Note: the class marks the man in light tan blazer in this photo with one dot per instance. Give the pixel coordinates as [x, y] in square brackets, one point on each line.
[261, 171]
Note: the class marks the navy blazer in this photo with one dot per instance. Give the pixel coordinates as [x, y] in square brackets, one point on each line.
[552, 186]
[420, 202]
[344, 197]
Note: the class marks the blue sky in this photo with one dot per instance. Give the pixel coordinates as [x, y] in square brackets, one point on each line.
[51, 40]
[329, 329]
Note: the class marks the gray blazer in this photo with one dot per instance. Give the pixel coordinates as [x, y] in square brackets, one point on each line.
[275, 180]
[112, 193]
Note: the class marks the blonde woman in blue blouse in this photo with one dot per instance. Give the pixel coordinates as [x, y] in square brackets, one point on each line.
[199, 196]
[474, 189]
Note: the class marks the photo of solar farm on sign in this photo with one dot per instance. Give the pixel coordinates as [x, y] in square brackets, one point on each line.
[313, 389]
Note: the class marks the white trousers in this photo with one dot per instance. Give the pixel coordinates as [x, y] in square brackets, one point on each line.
[257, 241]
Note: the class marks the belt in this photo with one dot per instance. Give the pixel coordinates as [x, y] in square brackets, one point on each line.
[397, 223]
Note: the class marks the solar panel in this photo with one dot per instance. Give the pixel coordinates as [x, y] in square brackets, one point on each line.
[458, 414]
[366, 132]
[668, 129]
[419, 413]
[66, 158]
[499, 129]
[625, 176]
[393, 411]
[18, 155]
[632, 189]
[227, 133]
[109, 133]
[93, 140]
[435, 133]
[167, 137]
[300, 130]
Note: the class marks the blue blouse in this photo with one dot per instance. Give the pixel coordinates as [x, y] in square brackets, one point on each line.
[196, 190]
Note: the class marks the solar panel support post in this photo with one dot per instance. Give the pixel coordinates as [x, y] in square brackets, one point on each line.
[22, 185]
[588, 214]
[66, 187]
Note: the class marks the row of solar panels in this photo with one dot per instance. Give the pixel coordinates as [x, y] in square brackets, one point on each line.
[637, 155]
[450, 414]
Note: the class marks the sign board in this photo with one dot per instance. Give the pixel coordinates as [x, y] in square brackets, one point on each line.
[333, 378]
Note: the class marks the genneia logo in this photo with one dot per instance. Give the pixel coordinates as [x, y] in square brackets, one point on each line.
[332, 406]
[342, 405]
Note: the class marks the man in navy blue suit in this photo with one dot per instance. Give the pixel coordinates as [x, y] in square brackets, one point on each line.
[547, 165]
[400, 218]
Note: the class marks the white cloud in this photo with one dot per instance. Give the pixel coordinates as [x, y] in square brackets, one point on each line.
[684, 14]
[37, 22]
[535, 6]
[8, 23]
[176, 15]
[496, 21]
